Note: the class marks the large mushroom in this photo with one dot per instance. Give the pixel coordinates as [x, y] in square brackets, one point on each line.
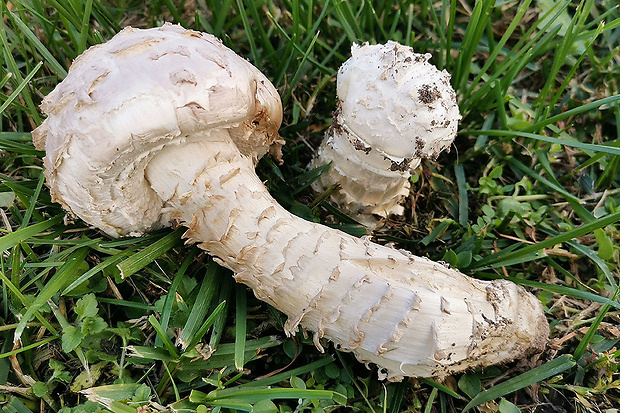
[164, 126]
[395, 109]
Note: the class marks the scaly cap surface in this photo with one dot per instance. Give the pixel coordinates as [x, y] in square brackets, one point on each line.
[124, 100]
[396, 103]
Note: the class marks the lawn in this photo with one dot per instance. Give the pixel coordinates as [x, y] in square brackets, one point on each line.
[529, 192]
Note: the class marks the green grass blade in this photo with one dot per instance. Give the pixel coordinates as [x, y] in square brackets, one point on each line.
[6, 283]
[556, 289]
[250, 35]
[318, 65]
[494, 261]
[261, 394]
[396, 396]
[204, 301]
[105, 394]
[18, 142]
[298, 73]
[52, 287]
[543, 160]
[600, 263]
[174, 11]
[15, 405]
[495, 52]
[240, 326]
[587, 338]
[14, 67]
[34, 40]
[20, 87]
[33, 202]
[605, 149]
[530, 45]
[277, 378]
[441, 387]
[120, 407]
[149, 254]
[558, 188]
[29, 347]
[569, 76]
[150, 353]
[166, 310]
[235, 405]
[430, 401]
[109, 23]
[113, 260]
[85, 27]
[219, 17]
[12, 239]
[535, 375]
[219, 324]
[572, 112]
[206, 325]
[268, 49]
[164, 337]
[126, 303]
[462, 188]
[229, 349]
[473, 33]
[348, 21]
[572, 200]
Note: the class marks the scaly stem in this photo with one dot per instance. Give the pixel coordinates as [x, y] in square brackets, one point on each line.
[367, 186]
[409, 315]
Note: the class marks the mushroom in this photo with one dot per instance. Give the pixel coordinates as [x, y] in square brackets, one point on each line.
[164, 126]
[395, 108]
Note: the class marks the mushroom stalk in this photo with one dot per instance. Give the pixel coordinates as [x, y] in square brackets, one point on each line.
[408, 315]
[174, 143]
[394, 109]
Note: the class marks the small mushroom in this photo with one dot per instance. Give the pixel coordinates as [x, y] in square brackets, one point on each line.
[395, 109]
[164, 126]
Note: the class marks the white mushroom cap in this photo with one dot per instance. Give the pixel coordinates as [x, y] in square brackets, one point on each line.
[174, 82]
[395, 109]
[396, 104]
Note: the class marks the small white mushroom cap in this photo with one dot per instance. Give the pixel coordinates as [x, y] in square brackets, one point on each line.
[100, 115]
[397, 103]
[395, 109]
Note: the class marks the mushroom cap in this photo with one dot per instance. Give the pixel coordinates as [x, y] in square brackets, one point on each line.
[394, 101]
[126, 99]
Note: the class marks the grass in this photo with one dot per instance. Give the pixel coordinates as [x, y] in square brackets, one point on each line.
[529, 192]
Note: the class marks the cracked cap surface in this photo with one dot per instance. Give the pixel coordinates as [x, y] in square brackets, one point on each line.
[125, 99]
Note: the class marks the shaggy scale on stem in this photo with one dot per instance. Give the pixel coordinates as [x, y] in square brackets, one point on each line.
[164, 126]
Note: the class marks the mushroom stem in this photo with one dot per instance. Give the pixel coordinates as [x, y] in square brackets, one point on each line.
[409, 315]
[365, 189]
